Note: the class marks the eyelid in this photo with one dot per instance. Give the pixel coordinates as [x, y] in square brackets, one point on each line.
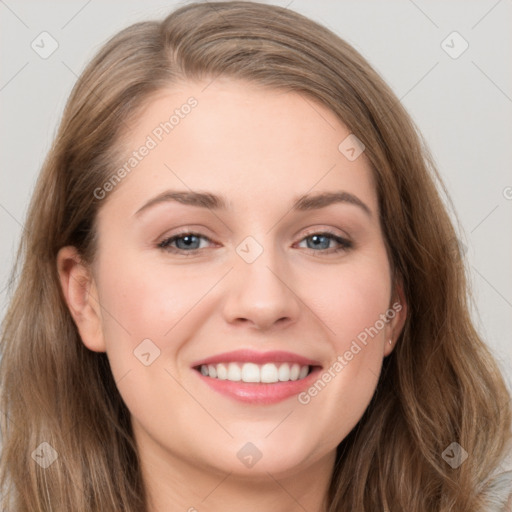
[324, 231]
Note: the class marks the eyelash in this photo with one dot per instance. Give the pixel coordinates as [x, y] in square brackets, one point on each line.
[345, 245]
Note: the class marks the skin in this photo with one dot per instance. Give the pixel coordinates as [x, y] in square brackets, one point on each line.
[260, 149]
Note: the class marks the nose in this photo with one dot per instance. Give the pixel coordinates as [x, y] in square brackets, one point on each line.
[261, 294]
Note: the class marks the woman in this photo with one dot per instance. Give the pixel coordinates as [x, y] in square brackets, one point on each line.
[314, 351]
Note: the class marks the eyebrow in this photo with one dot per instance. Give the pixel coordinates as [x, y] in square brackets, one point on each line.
[215, 202]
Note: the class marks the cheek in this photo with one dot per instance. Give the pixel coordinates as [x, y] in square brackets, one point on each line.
[352, 300]
[140, 302]
[350, 306]
[144, 301]
[142, 311]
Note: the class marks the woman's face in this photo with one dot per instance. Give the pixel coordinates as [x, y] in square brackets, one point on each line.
[266, 280]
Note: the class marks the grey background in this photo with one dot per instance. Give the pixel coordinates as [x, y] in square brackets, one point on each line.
[463, 107]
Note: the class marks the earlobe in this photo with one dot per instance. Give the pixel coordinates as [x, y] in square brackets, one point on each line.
[79, 289]
[396, 324]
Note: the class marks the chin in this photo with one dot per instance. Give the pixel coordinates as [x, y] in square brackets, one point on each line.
[262, 456]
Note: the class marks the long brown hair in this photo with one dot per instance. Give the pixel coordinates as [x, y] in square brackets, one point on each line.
[440, 385]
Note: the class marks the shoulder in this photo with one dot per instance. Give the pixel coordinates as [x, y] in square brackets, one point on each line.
[497, 493]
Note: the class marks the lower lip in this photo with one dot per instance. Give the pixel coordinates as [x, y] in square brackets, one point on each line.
[260, 393]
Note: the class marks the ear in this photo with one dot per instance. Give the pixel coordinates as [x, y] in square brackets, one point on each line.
[81, 297]
[395, 324]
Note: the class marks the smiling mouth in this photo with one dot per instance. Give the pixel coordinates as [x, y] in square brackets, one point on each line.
[269, 373]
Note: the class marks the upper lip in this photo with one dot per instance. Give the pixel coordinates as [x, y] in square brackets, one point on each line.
[251, 356]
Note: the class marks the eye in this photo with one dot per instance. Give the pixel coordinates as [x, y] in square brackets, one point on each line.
[190, 242]
[185, 242]
[322, 241]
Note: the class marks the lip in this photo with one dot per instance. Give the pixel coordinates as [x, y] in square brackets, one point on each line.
[251, 356]
[258, 392]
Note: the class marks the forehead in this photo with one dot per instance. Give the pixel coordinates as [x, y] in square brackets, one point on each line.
[242, 141]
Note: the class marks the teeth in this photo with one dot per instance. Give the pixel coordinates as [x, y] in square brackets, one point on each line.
[250, 372]
[284, 372]
[234, 372]
[212, 370]
[222, 372]
[269, 373]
